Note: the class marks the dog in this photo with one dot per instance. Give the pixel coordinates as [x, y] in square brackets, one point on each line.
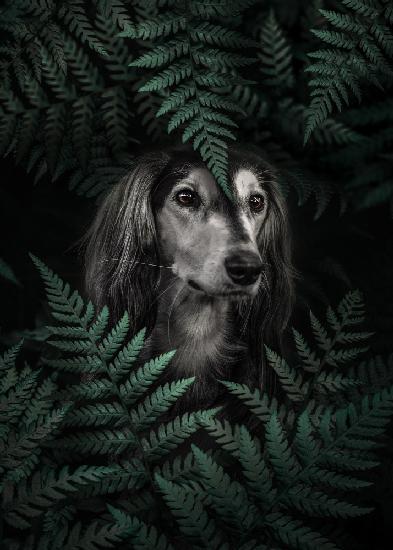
[208, 275]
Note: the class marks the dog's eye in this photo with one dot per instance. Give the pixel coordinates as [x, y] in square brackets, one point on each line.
[257, 203]
[187, 198]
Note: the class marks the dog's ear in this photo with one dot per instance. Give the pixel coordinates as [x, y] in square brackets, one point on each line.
[122, 242]
[271, 310]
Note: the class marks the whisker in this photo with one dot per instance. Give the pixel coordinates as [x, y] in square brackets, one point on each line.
[163, 292]
[155, 265]
[171, 310]
[246, 319]
[144, 263]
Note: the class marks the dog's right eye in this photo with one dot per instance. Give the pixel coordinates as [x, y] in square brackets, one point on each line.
[187, 198]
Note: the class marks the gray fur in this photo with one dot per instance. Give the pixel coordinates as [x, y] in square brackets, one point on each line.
[219, 324]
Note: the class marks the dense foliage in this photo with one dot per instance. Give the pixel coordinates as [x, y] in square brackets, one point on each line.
[311, 450]
[88, 458]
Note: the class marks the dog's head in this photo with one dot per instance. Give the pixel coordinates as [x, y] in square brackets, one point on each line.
[170, 212]
[210, 242]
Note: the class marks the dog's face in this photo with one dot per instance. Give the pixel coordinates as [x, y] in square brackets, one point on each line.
[210, 242]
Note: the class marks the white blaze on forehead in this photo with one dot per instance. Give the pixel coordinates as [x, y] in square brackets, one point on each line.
[245, 183]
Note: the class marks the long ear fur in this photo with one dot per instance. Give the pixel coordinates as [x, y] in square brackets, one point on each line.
[272, 308]
[121, 237]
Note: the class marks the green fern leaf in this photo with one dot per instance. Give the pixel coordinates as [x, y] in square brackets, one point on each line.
[100, 442]
[281, 456]
[115, 116]
[275, 56]
[54, 131]
[74, 16]
[97, 415]
[310, 361]
[82, 128]
[291, 381]
[159, 402]
[320, 333]
[92, 536]
[116, 11]
[51, 36]
[143, 536]
[307, 448]
[358, 54]
[144, 377]
[48, 487]
[226, 435]
[190, 514]
[229, 498]
[189, 58]
[112, 343]
[217, 35]
[27, 129]
[296, 534]
[160, 26]
[83, 365]
[329, 382]
[334, 358]
[7, 360]
[127, 356]
[169, 436]
[255, 469]
[262, 406]
[335, 480]
[40, 404]
[317, 503]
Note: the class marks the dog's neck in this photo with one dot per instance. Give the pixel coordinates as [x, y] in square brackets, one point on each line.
[200, 328]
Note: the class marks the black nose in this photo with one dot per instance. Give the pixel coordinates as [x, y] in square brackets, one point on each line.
[244, 268]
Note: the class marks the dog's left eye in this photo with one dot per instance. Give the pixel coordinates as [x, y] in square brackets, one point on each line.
[187, 198]
[256, 202]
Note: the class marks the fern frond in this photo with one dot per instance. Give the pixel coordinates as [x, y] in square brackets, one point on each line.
[144, 377]
[229, 498]
[101, 414]
[116, 11]
[7, 360]
[190, 513]
[75, 18]
[359, 52]
[296, 534]
[226, 435]
[170, 435]
[115, 116]
[310, 361]
[127, 356]
[255, 469]
[281, 456]
[143, 536]
[275, 55]
[159, 402]
[82, 128]
[291, 381]
[102, 442]
[190, 62]
[47, 488]
[262, 406]
[320, 504]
